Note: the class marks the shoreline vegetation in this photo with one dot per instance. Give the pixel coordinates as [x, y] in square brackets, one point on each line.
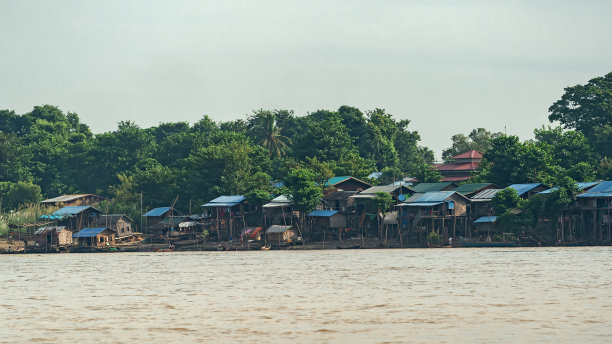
[313, 176]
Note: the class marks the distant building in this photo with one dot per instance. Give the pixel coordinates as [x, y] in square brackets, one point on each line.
[97, 237]
[346, 183]
[73, 200]
[462, 168]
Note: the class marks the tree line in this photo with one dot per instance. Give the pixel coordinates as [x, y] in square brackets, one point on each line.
[46, 152]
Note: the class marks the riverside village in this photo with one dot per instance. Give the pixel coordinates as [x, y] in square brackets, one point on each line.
[352, 213]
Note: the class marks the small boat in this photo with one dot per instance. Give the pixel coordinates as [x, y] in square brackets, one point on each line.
[169, 249]
[266, 248]
[430, 245]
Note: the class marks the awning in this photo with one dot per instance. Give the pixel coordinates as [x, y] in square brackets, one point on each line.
[277, 229]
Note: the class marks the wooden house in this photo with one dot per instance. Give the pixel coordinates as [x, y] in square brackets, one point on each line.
[365, 209]
[322, 221]
[75, 218]
[279, 211]
[445, 212]
[96, 237]
[73, 200]
[53, 236]
[480, 203]
[228, 213]
[339, 200]
[122, 225]
[591, 217]
[484, 226]
[279, 235]
[345, 183]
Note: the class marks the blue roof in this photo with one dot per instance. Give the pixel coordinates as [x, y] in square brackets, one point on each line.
[88, 232]
[323, 213]
[73, 210]
[421, 204]
[158, 211]
[434, 196]
[580, 185]
[522, 189]
[336, 180]
[605, 186]
[486, 219]
[225, 201]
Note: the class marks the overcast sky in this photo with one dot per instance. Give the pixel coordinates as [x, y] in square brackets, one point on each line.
[448, 66]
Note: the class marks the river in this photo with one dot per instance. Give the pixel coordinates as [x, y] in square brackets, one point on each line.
[560, 295]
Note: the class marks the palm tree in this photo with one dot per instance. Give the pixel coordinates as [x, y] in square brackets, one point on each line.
[264, 125]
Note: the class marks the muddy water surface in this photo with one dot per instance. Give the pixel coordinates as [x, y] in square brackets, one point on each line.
[352, 296]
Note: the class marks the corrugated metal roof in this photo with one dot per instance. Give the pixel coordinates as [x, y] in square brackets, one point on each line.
[225, 201]
[580, 185]
[277, 229]
[336, 180]
[68, 198]
[439, 196]
[485, 194]
[89, 232]
[524, 188]
[375, 175]
[471, 187]
[428, 187]
[157, 212]
[73, 210]
[280, 201]
[603, 189]
[486, 219]
[323, 213]
[43, 230]
[605, 186]
[384, 188]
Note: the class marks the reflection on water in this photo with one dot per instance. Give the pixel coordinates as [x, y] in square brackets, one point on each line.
[387, 296]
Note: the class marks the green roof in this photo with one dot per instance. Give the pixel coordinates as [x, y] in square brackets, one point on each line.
[336, 180]
[471, 187]
[430, 187]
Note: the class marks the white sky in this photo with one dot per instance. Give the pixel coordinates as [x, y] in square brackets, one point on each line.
[449, 66]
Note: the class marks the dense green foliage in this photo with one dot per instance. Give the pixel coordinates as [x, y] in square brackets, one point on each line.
[54, 151]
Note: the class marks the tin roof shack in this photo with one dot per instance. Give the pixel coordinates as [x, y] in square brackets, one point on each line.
[279, 211]
[95, 237]
[594, 217]
[445, 212]
[462, 168]
[52, 237]
[366, 211]
[74, 200]
[480, 204]
[432, 187]
[160, 221]
[280, 235]
[75, 217]
[120, 223]
[483, 226]
[323, 221]
[345, 183]
[525, 191]
[229, 215]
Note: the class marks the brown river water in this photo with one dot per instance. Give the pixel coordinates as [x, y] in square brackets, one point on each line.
[518, 295]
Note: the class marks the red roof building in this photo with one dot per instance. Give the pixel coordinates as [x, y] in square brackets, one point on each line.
[462, 168]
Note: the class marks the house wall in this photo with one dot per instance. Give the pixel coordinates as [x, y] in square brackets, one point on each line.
[123, 227]
[337, 221]
[64, 237]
